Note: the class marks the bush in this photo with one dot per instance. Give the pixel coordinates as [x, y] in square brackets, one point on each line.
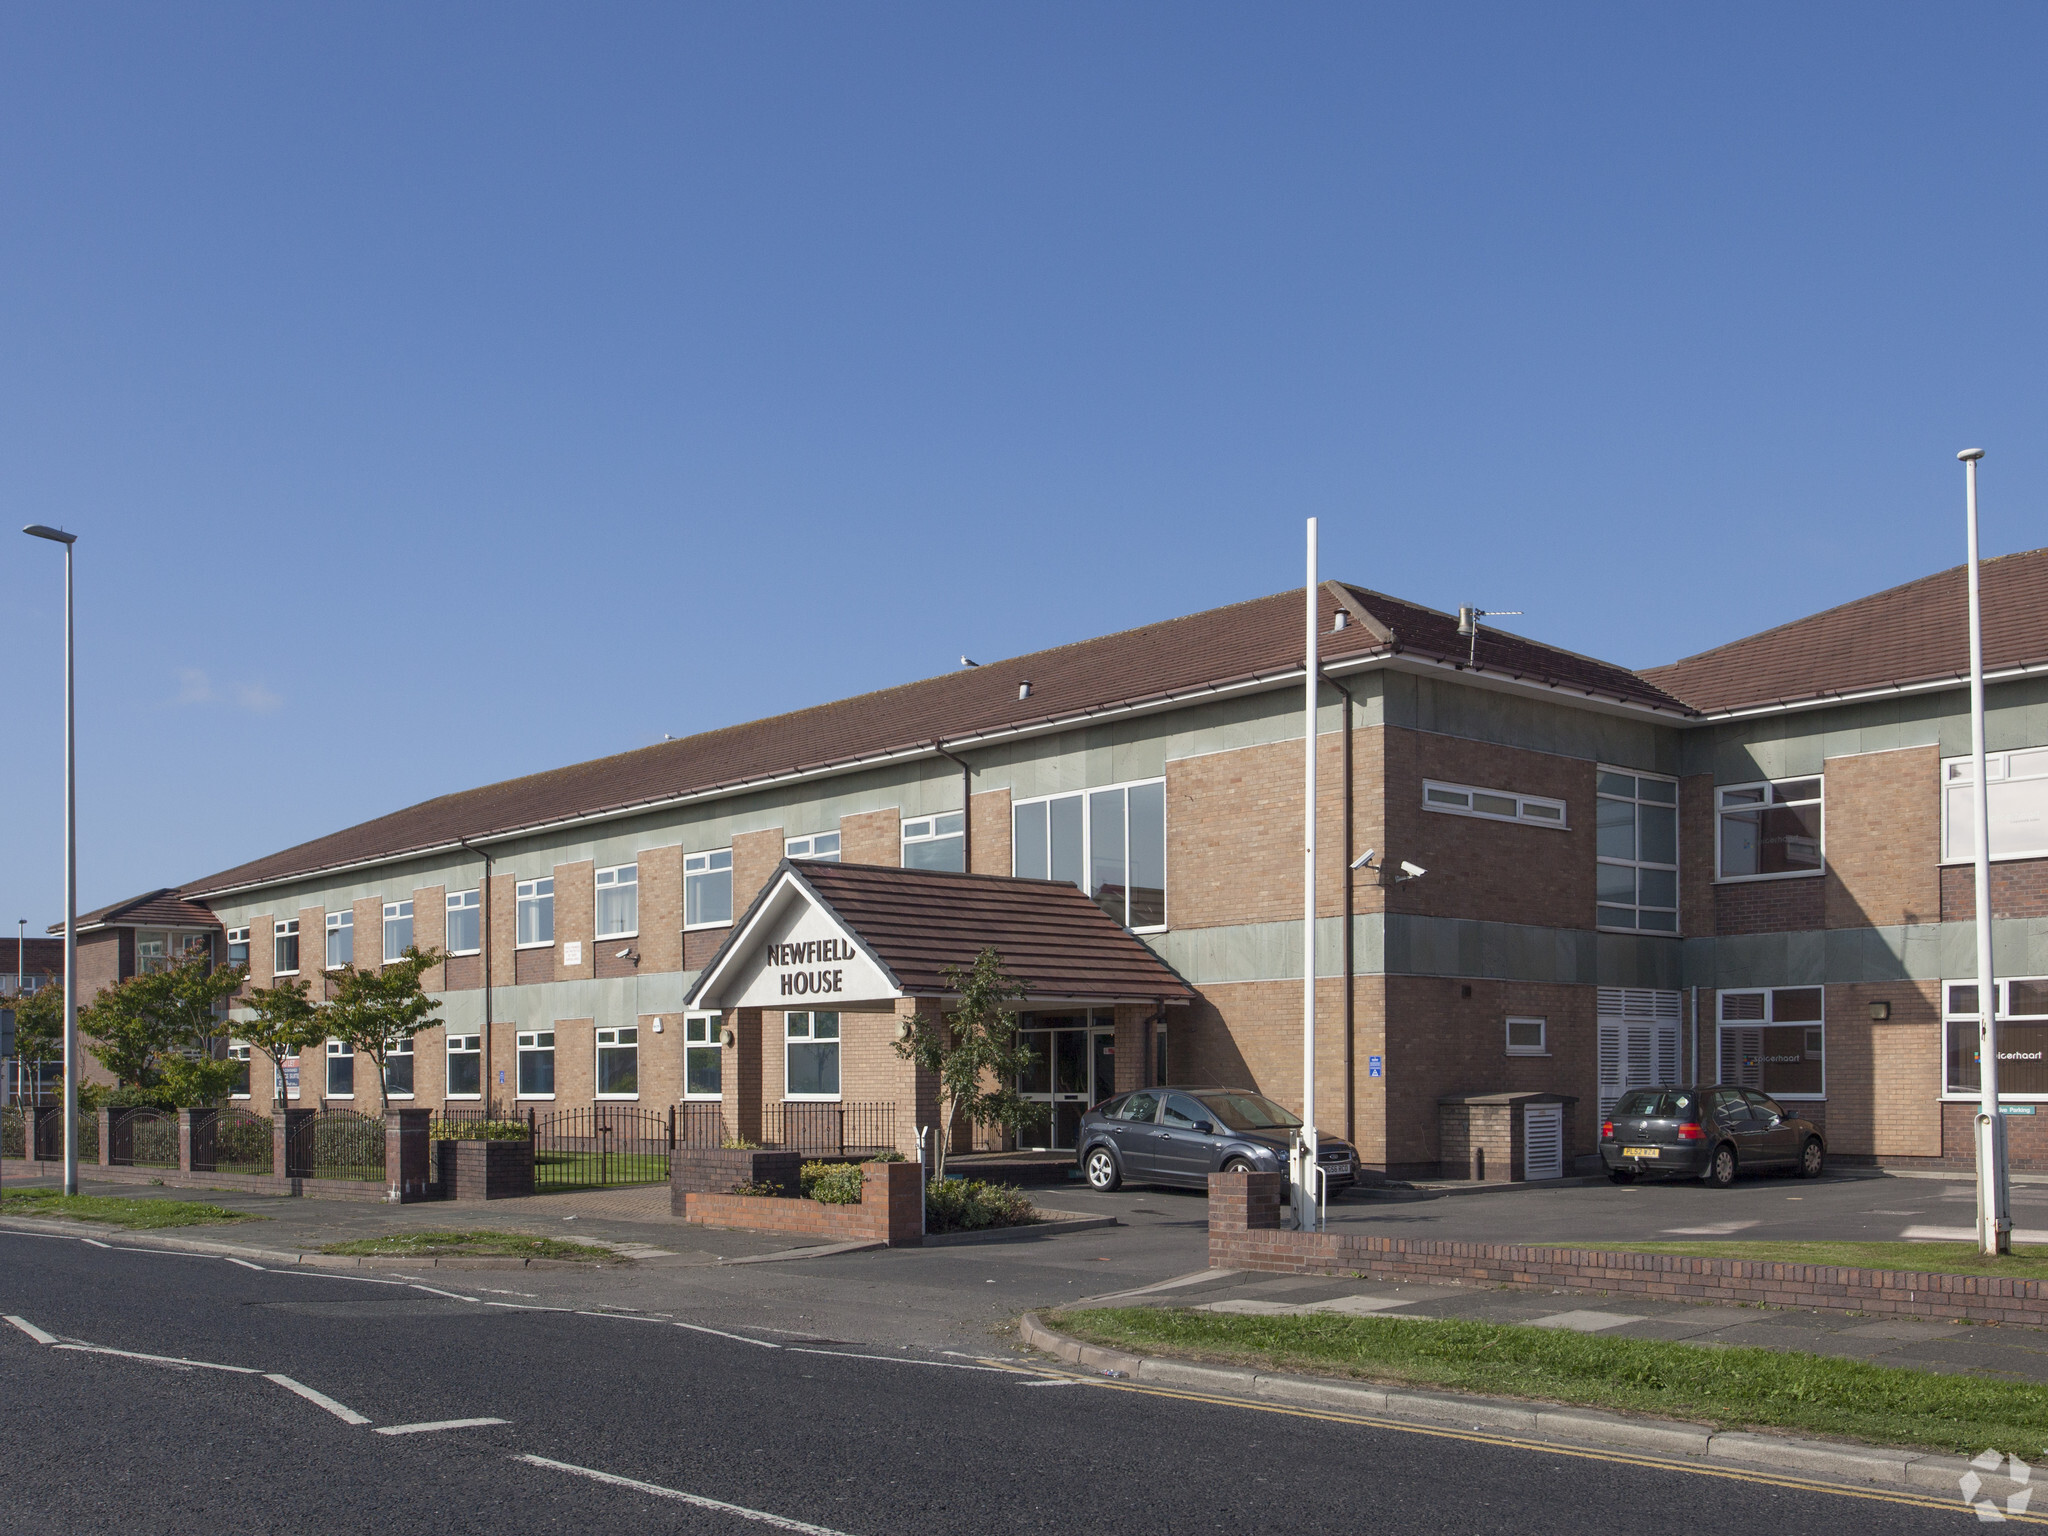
[832, 1183]
[738, 1144]
[759, 1188]
[888, 1157]
[969, 1205]
[477, 1130]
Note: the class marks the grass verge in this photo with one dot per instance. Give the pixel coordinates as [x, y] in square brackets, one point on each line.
[424, 1245]
[1726, 1387]
[2025, 1262]
[118, 1210]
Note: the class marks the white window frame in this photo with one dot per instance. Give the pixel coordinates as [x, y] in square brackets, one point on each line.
[1088, 839]
[2023, 765]
[336, 1051]
[813, 847]
[238, 936]
[339, 923]
[279, 932]
[1638, 864]
[465, 901]
[529, 893]
[462, 1045]
[1723, 1070]
[395, 1049]
[1542, 1045]
[1951, 1017]
[915, 831]
[610, 1037]
[527, 1042]
[1769, 786]
[701, 1032]
[702, 866]
[239, 1050]
[157, 943]
[809, 1037]
[617, 878]
[397, 912]
[1448, 799]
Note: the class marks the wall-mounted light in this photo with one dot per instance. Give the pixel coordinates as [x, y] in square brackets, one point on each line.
[1879, 1012]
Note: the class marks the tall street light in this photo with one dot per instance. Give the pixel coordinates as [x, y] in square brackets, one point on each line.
[57, 535]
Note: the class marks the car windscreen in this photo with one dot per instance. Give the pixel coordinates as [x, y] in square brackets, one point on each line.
[1248, 1112]
[1659, 1103]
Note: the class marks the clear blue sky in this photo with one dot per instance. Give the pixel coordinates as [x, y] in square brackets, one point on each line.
[443, 393]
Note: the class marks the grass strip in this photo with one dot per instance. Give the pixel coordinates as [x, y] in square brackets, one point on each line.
[1726, 1387]
[481, 1244]
[2025, 1262]
[118, 1210]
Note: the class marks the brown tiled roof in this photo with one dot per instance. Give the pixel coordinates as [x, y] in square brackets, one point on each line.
[1914, 634]
[1218, 648]
[917, 922]
[163, 906]
[40, 957]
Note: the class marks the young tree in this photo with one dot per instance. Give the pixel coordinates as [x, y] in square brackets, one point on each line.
[39, 1024]
[281, 1023]
[158, 1031]
[975, 1051]
[374, 1010]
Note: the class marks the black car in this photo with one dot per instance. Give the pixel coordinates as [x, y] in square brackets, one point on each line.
[1706, 1133]
[1182, 1135]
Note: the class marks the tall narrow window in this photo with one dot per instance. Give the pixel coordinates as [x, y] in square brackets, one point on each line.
[618, 1063]
[707, 888]
[397, 930]
[935, 842]
[152, 952]
[285, 948]
[701, 1056]
[1774, 1039]
[341, 939]
[239, 1052]
[341, 1070]
[537, 1064]
[465, 922]
[1637, 845]
[821, 846]
[1769, 831]
[618, 902]
[238, 946]
[1111, 842]
[810, 1063]
[465, 1066]
[398, 1069]
[536, 912]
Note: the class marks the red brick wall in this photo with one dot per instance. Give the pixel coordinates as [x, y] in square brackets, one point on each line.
[1696, 855]
[890, 1210]
[2019, 888]
[1883, 838]
[1770, 906]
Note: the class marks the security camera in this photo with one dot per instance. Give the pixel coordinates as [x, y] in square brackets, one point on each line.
[1364, 860]
[1412, 871]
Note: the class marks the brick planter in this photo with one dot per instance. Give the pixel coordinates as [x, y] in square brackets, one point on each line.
[891, 1210]
[483, 1170]
[715, 1170]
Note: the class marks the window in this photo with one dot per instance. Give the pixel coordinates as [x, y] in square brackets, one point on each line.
[191, 946]
[1637, 845]
[465, 922]
[341, 1070]
[1525, 1037]
[1773, 1039]
[707, 888]
[2022, 1024]
[536, 912]
[465, 1066]
[397, 930]
[398, 1070]
[822, 846]
[1111, 842]
[2018, 804]
[285, 947]
[701, 1056]
[1769, 831]
[936, 842]
[1491, 804]
[537, 1064]
[152, 952]
[810, 1062]
[239, 1052]
[618, 902]
[341, 939]
[238, 946]
[618, 1063]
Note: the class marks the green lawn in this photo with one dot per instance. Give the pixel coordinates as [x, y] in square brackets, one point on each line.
[2025, 1262]
[593, 1170]
[117, 1210]
[485, 1243]
[1726, 1387]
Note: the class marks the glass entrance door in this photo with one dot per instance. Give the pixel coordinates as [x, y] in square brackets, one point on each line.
[1073, 1067]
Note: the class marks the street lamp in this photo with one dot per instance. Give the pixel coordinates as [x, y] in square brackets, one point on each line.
[57, 535]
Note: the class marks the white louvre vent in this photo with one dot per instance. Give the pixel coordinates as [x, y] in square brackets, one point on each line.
[1638, 1041]
[1543, 1142]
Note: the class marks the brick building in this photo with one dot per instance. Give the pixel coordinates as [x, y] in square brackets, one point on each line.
[1749, 865]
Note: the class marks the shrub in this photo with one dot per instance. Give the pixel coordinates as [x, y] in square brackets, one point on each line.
[888, 1157]
[832, 1183]
[477, 1130]
[759, 1188]
[969, 1205]
[738, 1144]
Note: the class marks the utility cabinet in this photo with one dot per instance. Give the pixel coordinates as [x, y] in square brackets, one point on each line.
[1504, 1138]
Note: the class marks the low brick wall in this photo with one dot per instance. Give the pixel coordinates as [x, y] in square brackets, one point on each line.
[891, 1210]
[172, 1178]
[715, 1170]
[1245, 1233]
[483, 1170]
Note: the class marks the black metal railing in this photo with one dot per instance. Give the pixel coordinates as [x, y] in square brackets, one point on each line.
[50, 1136]
[144, 1138]
[241, 1141]
[700, 1125]
[829, 1130]
[337, 1144]
[607, 1146]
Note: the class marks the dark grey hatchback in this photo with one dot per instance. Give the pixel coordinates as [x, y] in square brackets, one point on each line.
[1706, 1133]
[1182, 1135]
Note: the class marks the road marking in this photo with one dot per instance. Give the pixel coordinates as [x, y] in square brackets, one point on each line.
[1718, 1229]
[130, 1354]
[521, 1307]
[320, 1399]
[247, 1265]
[779, 1522]
[451, 1295]
[92, 1242]
[1174, 1284]
[847, 1354]
[1063, 1381]
[32, 1330]
[738, 1338]
[622, 1317]
[428, 1429]
[1584, 1322]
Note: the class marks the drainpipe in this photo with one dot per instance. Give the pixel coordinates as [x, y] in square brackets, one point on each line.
[966, 806]
[1350, 1022]
[484, 921]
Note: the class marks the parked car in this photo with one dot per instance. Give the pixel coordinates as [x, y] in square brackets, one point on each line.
[1182, 1135]
[1706, 1133]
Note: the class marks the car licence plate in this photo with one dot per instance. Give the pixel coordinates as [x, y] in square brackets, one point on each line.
[1340, 1169]
[1638, 1151]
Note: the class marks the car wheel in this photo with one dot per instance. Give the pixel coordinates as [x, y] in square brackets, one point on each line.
[1102, 1171]
[1622, 1175]
[1812, 1159]
[1721, 1171]
[1240, 1165]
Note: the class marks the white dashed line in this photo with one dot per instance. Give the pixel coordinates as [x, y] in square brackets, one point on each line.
[428, 1429]
[32, 1330]
[847, 1354]
[177, 1360]
[319, 1399]
[779, 1522]
[451, 1295]
[247, 1265]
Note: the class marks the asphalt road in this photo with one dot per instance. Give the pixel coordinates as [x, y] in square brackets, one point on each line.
[853, 1432]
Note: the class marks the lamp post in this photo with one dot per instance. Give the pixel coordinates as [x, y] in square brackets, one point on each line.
[57, 535]
[1302, 1170]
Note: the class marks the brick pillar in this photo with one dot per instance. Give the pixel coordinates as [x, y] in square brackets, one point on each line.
[892, 1190]
[1240, 1202]
[742, 1074]
[107, 1137]
[406, 1154]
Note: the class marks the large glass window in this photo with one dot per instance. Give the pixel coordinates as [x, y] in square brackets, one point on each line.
[1111, 842]
[465, 922]
[537, 1064]
[152, 952]
[822, 846]
[707, 888]
[341, 1070]
[618, 1063]
[1768, 831]
[810, 1063]
[618, 902]
[285, 947]
[398, 1070]
[2018, 803]
[2022, 1025]
[1773, 1039]
[397, 930]
[935, 842]
[701, 1056]
[536, 912]
[1637, 846]
[465, 1066]
[341, 940]
[238, 946]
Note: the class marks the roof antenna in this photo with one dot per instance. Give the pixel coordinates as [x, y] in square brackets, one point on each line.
[1468, 626]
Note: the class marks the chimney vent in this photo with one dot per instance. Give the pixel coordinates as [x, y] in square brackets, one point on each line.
[1023, 690]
